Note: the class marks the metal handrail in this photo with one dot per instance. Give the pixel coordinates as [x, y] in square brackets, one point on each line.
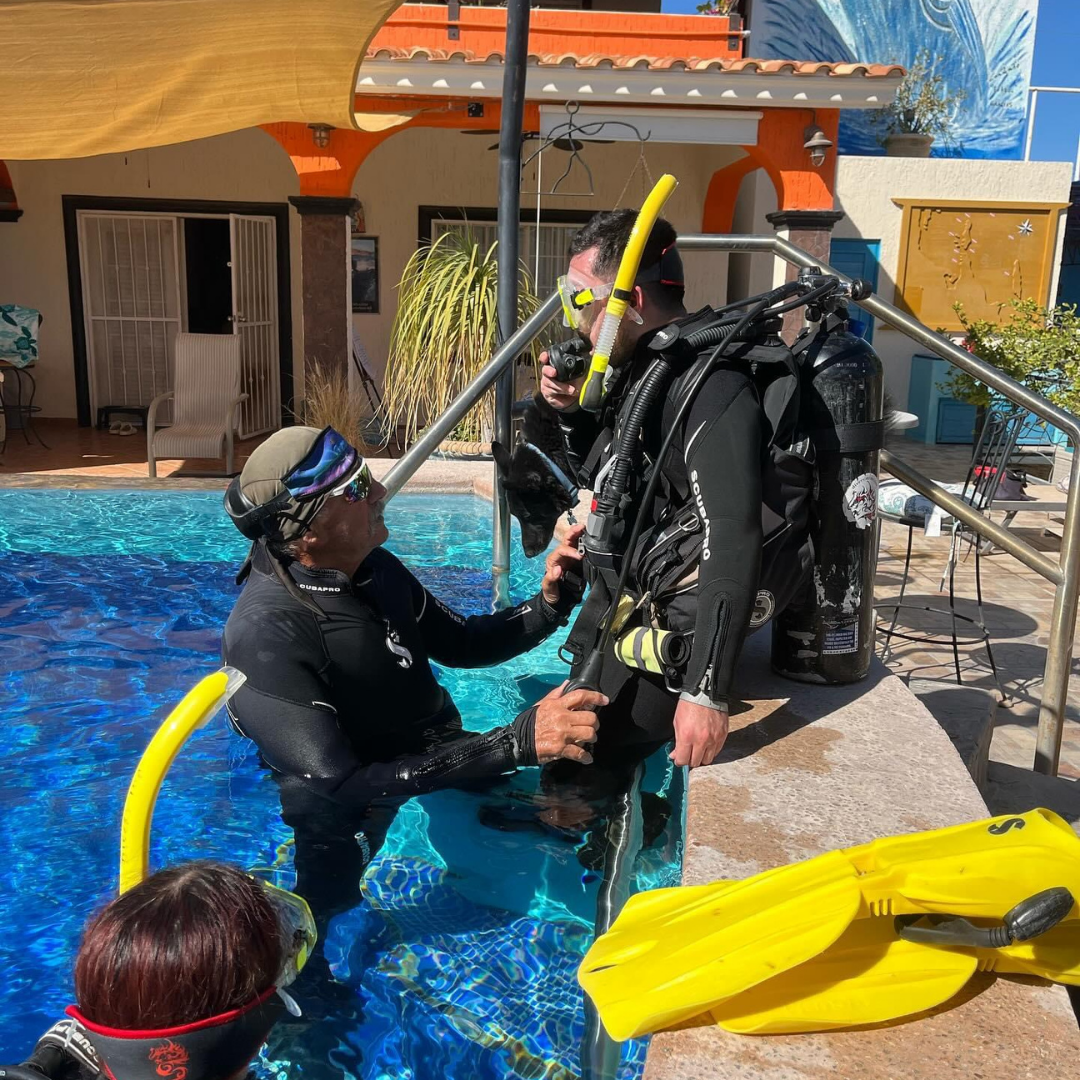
[1064, 575]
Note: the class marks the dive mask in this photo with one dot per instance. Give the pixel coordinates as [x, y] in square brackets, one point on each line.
[577, 299]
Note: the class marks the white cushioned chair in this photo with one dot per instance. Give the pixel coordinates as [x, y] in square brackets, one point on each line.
[206, 402]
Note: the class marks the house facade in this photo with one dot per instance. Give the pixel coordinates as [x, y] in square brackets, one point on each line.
[295, 236]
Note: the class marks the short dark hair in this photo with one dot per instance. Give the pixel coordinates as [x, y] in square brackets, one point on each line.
[188, 943]
[609, 232]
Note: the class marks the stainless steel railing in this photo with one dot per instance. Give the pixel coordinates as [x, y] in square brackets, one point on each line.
[1063, 574]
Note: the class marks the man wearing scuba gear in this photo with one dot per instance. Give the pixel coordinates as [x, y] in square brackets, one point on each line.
[334, 636]
[712, 478]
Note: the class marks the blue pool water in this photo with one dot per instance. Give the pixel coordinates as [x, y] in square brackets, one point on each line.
[459, 959]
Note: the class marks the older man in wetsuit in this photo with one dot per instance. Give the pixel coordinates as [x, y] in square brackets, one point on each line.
[334, 635]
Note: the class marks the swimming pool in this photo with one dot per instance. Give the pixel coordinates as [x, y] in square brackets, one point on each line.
[460, 960]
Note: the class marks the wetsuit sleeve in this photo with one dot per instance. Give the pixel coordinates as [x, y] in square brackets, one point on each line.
[482, 640]
[723, 463]
[300, 736]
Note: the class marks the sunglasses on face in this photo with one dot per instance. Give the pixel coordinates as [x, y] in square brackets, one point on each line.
[356, 488]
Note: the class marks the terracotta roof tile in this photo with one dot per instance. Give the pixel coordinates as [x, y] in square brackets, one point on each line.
[645, 62]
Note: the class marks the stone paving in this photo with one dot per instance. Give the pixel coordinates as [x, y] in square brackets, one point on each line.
[1017, 607]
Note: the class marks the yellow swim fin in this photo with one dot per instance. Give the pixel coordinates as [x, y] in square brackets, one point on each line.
[669, 957]
[678, 953]
[870, 975]
[1054, 955]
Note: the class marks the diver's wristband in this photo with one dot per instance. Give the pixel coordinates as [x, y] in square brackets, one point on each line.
[701, 698]
[523, 735]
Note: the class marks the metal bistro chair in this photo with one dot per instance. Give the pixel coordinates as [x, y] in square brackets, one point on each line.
[899, 503]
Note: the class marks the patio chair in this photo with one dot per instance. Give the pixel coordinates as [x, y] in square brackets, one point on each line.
[899, 503]
[206, 401]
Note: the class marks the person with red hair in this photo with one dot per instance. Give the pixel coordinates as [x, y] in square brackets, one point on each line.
[181, 977]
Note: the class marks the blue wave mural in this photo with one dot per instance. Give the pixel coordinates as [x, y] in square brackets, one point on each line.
[985, 47]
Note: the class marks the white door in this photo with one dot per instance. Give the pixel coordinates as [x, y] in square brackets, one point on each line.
[131, 288]
[255, 319]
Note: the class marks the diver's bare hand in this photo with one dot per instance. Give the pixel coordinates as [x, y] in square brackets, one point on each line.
[700, 734]
[567, 556]
[559, 395]
[566, 726]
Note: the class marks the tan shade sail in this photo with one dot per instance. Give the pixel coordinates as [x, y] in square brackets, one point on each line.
[100, 76]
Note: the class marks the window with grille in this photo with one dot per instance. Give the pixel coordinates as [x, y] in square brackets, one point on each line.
[543, 249]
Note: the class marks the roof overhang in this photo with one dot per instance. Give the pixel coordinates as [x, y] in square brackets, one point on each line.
[560, 83]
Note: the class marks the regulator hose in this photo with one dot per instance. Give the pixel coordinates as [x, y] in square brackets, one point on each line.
[652, 385]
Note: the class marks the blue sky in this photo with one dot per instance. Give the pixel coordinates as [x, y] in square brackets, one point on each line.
[1057, 45]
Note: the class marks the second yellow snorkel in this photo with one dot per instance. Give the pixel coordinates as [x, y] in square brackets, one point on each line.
[193, 712]
[592, 390]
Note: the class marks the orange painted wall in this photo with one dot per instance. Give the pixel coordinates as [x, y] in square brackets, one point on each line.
[331, 170]
[612, 33]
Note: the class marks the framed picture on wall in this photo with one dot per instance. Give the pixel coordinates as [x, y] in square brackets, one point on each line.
[978, 254]
[364, 255]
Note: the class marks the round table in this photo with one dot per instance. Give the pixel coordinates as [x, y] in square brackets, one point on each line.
[898, 421]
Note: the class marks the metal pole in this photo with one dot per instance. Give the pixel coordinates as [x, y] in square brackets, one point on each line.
[1055, 690]
[1031, 123]
[513, 113]
[504, 357]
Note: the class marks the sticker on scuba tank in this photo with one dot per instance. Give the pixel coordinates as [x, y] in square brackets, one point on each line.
[764, 606]
[841, 638]
[860, 500]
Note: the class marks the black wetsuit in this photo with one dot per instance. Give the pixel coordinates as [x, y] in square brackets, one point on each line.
[347, 712]
[715, 465]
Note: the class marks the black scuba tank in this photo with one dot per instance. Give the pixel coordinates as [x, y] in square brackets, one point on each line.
[827, 635]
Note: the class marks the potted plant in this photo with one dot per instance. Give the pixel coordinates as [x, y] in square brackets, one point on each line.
[444, 332]
[923, 111]
[1037, 346]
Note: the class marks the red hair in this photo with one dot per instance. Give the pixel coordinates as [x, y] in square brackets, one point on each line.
[186, 944]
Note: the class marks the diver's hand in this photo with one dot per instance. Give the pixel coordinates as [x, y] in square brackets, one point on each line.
[559, 395]
[565, 557]
[700, 733]
[565, 726]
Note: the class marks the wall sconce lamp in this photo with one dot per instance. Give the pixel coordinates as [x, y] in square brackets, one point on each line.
[817, 142]
[320, 135]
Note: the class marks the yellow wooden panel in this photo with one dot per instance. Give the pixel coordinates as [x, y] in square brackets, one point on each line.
[979, 254]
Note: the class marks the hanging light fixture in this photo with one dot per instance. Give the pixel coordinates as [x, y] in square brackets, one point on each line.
[320, 135]
[817, 142]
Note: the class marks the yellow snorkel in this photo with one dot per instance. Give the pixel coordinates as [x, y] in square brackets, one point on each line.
[194, 711]
[592, 390]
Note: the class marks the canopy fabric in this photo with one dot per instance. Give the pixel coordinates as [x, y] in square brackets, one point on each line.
[84, 77]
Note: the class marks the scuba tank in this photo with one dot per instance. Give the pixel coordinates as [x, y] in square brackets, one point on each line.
[827, 635]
